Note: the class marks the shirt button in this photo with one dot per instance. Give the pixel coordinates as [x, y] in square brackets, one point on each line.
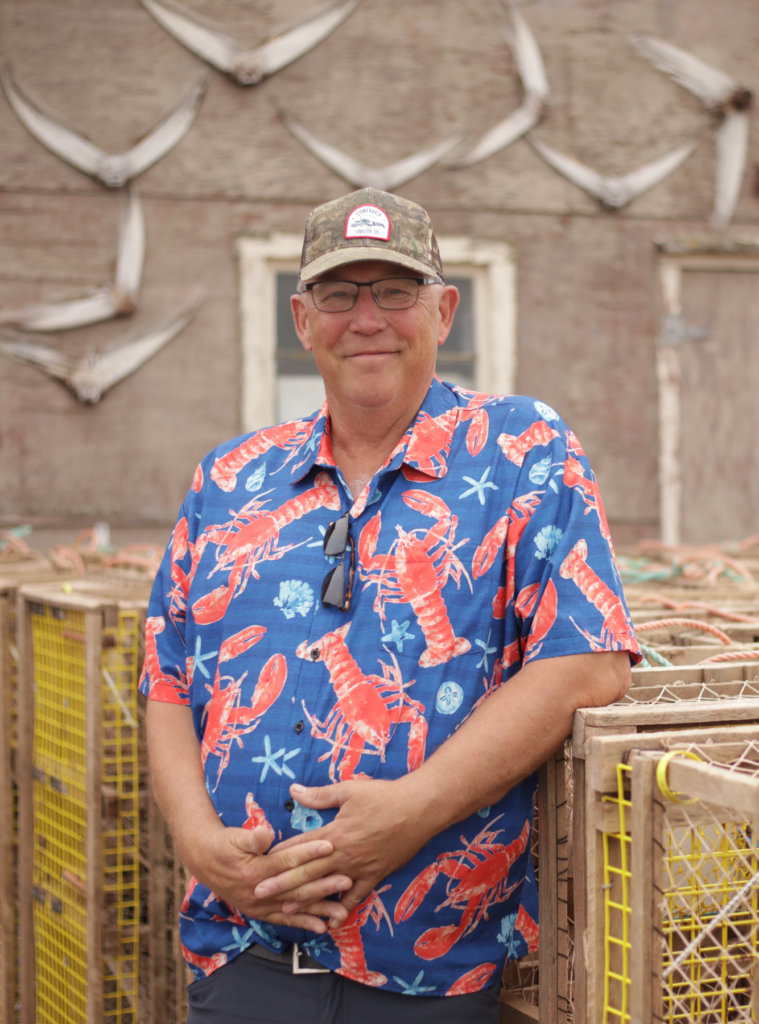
[299, 727]
[290, 804]
[315, 652]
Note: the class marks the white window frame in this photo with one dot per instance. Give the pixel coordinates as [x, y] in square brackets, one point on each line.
[490, 264]
[676, 257]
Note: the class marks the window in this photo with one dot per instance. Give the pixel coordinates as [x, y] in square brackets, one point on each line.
[280, 380]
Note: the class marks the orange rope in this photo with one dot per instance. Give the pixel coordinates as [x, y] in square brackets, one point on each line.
[681, 606]
[731, 656]
[705, 627]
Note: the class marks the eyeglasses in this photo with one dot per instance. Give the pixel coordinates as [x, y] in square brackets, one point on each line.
[334, 593]
[389, 293]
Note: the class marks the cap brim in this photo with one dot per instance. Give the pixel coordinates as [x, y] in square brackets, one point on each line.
[342, 257]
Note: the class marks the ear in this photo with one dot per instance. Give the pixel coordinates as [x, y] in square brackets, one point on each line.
[449, 300]
[300, 319]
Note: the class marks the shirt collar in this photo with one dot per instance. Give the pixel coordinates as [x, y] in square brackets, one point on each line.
[423, 449]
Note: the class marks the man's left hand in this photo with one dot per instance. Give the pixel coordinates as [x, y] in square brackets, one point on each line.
[379, 827]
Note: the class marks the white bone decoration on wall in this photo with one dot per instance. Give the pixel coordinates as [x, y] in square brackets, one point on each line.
[90, 377]
[248, 67]
[117, 299]
[113, 170]
[721, 94]
[532, 73]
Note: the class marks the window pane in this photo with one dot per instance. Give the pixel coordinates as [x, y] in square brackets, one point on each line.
[300, 389]
[456, 359]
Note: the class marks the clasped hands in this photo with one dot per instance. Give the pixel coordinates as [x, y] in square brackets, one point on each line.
[378, 828]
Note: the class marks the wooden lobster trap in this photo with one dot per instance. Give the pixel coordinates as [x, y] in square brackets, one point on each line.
[11, 579]
[570, 841]
[681, 880]
[97, 899]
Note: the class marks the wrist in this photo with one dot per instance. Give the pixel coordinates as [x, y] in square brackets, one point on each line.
[195, 844]
[421, 791]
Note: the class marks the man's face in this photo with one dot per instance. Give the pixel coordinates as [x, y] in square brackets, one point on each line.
[371, 357]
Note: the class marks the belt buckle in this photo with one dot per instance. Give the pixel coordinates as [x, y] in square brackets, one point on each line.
[297, 969]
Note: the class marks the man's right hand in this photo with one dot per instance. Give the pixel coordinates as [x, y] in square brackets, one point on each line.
[231, 862]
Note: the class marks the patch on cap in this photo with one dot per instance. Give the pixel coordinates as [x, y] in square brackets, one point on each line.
[368, 222]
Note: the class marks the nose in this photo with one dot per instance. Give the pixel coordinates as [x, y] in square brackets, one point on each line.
[367, 315]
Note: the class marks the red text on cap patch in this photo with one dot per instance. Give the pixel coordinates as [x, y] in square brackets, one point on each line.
[368, 222]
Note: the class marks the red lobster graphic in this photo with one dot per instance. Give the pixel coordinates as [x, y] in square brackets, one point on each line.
[516, 447]
[256, 817]
[478, 877]
[152, 671]
[574, 476]
[367, 707]
[285, 435]
[617, 633]
[348, 940]
[207, 964]
[544, 617]
[253, 537]
[225, 720]
[508, 530]
[472, 981]
[528, 929]
[408, 573]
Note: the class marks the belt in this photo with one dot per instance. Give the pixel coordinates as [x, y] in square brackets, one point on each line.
[293, 955]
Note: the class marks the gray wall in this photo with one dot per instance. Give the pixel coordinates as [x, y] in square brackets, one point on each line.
[394, 77]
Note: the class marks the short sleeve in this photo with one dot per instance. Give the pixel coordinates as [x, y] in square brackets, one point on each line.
[165, 673]
[561, 570]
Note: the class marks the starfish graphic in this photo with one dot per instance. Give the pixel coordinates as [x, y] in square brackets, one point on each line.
[270, 760]
[239, 943]
[486, 651]
[398, 634]
[414, 989]
[478, 486]
[197, 661]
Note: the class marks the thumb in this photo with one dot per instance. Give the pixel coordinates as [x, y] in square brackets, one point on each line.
[255, 841]
[358, 892]
[320, 797]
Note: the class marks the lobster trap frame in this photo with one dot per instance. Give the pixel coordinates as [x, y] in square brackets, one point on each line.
[681, 901]
[570, 843]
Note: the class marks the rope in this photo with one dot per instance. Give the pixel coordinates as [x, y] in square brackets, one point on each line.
[705, 627]
[752, 655]
[651, 654]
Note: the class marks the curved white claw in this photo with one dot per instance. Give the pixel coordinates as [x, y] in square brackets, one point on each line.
[355, 173]
[613, 192]
[113, 300]
[732, 147]
[113, 170]
[532, 73]
[712, 86]
[90, 377]
[248, 67]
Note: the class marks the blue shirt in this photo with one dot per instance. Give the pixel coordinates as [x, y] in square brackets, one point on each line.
[480, 545]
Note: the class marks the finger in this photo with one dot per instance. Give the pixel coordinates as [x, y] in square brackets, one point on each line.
[317, 890]
[302, 837]
[334, 913]
[321, 797]
[293, 878]
[281, 861]
[255, 841]
[358, 892]
[307, 921]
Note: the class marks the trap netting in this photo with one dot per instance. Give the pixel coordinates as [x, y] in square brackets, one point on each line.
[75, 898]
[697, 936]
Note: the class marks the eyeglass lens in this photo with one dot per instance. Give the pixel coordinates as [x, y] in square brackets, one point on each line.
[340, 296]
[336, 536]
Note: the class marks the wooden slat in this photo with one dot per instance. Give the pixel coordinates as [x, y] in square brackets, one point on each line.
[715, 785]
[515, 1010]
[642, 890]
[158, 888]
[7, 886]
[25, 810]
[93, 742]
[606, 752]
[549, 891]
[580, 888]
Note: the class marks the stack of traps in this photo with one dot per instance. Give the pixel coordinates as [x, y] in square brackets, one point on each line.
[585, 971]
[98, 886]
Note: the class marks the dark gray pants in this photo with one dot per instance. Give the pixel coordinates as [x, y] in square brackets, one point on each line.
[253, 991]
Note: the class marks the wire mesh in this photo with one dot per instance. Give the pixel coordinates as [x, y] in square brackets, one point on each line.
[617, 848]
[61, 779]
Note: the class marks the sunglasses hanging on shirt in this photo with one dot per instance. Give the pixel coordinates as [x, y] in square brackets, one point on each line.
[336, 589]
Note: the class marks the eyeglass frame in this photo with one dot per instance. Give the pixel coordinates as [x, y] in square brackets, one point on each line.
[337, 552]
[420, 281]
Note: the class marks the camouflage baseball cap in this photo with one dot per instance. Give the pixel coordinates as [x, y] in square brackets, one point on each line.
[369, 225]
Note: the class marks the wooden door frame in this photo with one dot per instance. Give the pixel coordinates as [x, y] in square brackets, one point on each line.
[490, 264]
[676, 256]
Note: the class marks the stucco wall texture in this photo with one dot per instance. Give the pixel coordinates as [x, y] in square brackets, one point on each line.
[393, 78]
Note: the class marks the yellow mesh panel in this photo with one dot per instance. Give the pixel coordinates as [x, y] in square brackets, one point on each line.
[60, 818]
[617, 847]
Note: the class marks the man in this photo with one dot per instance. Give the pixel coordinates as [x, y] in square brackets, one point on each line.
[370, 628]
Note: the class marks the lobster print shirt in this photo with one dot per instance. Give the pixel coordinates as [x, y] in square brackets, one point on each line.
[480, 545]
